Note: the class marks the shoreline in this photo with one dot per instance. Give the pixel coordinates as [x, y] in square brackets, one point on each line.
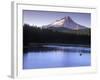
[55, 44]
[58, 44]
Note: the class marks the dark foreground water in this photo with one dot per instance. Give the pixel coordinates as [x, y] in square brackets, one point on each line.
[50, 56]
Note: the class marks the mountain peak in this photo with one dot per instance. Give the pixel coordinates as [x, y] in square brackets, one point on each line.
[66, 18]
[68, 23]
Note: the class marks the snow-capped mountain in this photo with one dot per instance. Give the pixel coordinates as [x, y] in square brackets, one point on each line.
[67, 23]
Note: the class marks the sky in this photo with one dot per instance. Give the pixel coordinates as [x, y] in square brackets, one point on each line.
[41, 18]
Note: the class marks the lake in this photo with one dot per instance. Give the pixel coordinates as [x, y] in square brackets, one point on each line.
[54, 56]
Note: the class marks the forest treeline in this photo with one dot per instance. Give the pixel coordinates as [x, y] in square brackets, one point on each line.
[34, 34]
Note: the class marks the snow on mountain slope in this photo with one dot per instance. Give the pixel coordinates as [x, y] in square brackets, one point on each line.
[68, 23]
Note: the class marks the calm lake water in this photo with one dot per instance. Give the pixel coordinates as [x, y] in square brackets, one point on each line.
[50, 56]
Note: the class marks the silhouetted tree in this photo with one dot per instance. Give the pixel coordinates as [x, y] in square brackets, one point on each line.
[34, 34]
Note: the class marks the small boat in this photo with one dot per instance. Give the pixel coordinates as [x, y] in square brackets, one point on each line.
[80, 54]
